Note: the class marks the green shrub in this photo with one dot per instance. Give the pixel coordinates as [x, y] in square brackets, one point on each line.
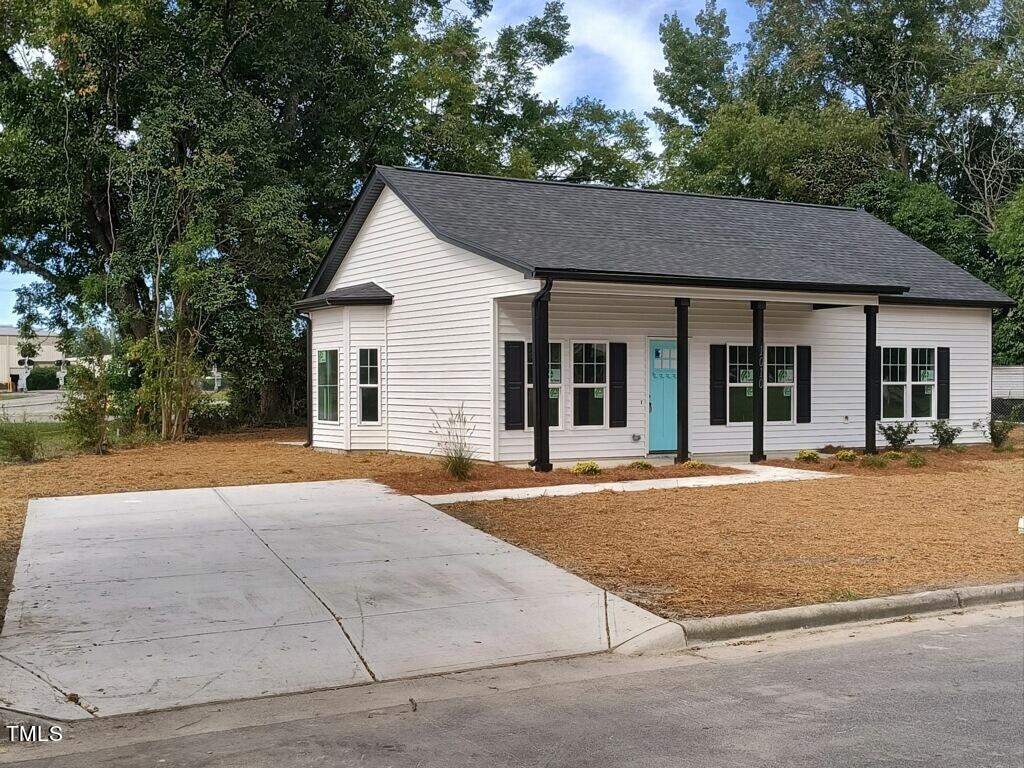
[209, 415]
[809, 456]
[898, 434]
[945, 434]
[916, 460]
[872, 462]
[694, 464]
[42, 377]
[640, 464]
[893, 456]
[87, 392]
[996, 431]
[454, 434]
[19, 440]
[847, 455]
[586, 468]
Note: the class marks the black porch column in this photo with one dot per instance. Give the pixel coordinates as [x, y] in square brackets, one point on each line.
[871, 393]
[757, 453]
[541, 415]
[682, 380]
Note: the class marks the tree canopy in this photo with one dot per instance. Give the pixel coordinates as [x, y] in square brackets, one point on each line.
[178, 168]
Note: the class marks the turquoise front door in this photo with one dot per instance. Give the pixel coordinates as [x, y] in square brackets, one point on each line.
[663, 368]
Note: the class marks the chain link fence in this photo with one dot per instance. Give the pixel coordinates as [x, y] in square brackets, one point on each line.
[1008, 409]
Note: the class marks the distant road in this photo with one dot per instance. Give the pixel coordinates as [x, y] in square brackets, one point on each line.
[32, 406]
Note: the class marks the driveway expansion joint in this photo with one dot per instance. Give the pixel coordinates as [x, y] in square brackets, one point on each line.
[302, 581]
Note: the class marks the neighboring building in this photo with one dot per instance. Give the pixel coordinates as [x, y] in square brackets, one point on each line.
[1008, 382]
[652, 306]
[9, 341]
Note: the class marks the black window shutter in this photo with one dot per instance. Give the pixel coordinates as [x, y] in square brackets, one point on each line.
[617, 385]
[876, 385]
[803, 385]
[718, 384]
[515, 383]
[943, 383]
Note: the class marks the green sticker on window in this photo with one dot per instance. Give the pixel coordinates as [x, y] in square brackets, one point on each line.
[321, 357]
[750, 391]
[598, 394]
[787, 391]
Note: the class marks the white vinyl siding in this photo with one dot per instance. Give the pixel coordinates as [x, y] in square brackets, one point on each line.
[437, 343]
[367, 330]
[836, 337]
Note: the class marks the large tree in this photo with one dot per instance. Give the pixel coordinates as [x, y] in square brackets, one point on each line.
[180, 167]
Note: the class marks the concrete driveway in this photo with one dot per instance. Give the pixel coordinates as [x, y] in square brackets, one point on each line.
[140, 601]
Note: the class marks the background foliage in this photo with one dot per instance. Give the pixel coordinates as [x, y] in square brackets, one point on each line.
[176, 169]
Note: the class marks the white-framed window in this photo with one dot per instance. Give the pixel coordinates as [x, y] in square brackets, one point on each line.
[369, 386]
[589, 383]
[327, 385]
[554, 385]
[908, 383]
[780, 381]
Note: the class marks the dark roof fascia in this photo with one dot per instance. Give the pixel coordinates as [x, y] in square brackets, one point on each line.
[317, 302]
[715, 282]
[347, 233]
[511, 263]
[924, 301]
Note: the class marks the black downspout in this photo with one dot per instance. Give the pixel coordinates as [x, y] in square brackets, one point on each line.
[309, 379]
[541, 415]
[682, 380]
[758, 447]
[871, 394]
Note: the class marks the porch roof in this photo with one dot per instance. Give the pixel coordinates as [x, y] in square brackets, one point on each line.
[590, 232]
[364, 293]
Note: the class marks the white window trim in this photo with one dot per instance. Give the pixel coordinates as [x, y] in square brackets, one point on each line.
[764, 395]
[528, 387]
[337, 386]
[573, 386]
[908, 383]
[360, 387]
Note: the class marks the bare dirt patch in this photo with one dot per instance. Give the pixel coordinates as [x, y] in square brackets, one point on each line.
[242, 459]
[728, 549]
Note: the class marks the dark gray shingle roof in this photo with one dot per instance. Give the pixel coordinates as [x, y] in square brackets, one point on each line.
[567, 230]
[364, 293]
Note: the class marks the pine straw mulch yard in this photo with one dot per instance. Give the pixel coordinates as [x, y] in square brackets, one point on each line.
[730, 549]
[248, 458]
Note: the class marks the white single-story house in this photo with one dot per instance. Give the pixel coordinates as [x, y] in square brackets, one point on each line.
[661, 322]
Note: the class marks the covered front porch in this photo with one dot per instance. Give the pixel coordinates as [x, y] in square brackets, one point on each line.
[639, 371]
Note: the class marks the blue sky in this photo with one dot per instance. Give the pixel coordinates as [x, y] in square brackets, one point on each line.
[615, 52]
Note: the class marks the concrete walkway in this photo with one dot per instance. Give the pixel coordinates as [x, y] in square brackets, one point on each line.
[747, 473]
[141, 601]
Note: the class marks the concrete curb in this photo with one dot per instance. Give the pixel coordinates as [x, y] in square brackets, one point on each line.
[722, 628]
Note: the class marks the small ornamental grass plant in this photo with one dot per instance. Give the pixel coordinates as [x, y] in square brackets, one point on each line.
[808, 456]
[916, 460]
[586, 468]
[640, 464]
[847, 455]
[454, 433]
[19, 440]
[694, 464]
